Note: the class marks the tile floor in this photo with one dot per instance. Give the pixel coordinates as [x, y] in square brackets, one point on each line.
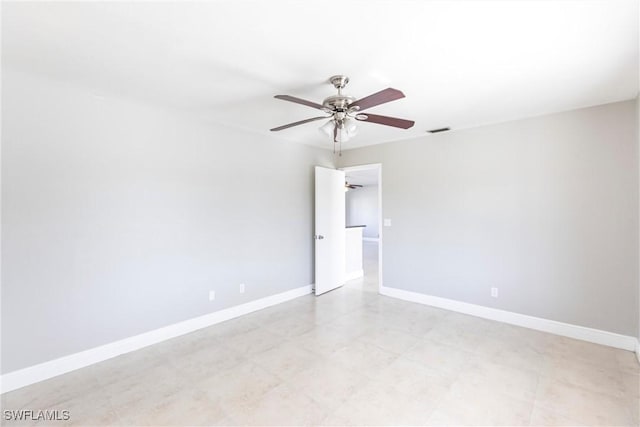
[351, 357]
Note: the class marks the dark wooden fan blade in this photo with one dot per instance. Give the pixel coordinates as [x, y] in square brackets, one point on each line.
[386, 95]
[385, 120]
[299, 101]
[301, 122]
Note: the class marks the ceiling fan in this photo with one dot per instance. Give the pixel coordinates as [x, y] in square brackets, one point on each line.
[352, 186]
[343, 111]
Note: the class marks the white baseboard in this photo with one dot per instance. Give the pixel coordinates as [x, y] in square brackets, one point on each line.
[33, 374]
[355, 274]
[638, 350]
[551, 326]
[370, 239]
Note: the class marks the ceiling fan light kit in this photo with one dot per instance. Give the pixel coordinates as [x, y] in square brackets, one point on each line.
[347, 129]
[344, 110]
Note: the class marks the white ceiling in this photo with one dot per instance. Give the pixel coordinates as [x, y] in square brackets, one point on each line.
[460, 63]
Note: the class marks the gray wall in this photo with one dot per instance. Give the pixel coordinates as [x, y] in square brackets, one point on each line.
[362, 209]
[118, 218]
[638, 148]
[545, 209]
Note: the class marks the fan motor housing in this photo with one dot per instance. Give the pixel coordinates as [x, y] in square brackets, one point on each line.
[338, 102]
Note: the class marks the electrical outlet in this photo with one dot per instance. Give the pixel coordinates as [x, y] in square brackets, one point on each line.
[212, 295]
[494, 292]
[387, 222]
[242, 288]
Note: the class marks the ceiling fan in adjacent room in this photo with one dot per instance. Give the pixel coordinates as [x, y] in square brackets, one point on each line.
[348, 186]
[344, 111]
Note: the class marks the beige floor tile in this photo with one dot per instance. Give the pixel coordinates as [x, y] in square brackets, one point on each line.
[254, 341]
[237, 326]
[471, 324]
[519, 355]
[51, 392]
[457, 336]
[281, 406]
[286, 360]
[606, 380]
[235, 388]
[390, 339]
[328, 384]
[412, 322]
[190, 343]
[488, 377]
[585, 406]
[465, 405]
[205, 361]
[628, 362]
[440, 357]
[324, 340]
[92, 409]
[127, 365]
[321, 313]
[363, 316]
[20, 420]
[571, 350]
[343, 300]
[519, 335]
[139, 400]
[355, 324]
[145, 384]
[386, 305]
[295, 307]
[635, 413]
[291, 326]
[631, 384]
[191, 407]
[324, 315]
[543, 417]
[416, 379]
[363, 357]
[381, 404]
[632, 395]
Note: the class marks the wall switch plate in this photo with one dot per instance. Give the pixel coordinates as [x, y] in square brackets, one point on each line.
[494, 292]
[387, 222]
[242, 288]
[212, 295]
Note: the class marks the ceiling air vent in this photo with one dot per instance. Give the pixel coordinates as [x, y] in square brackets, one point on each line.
[439, 130]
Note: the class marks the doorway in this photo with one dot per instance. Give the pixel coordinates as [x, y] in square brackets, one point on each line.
[363, 210]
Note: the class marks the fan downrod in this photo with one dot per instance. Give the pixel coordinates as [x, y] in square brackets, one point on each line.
[338, 103]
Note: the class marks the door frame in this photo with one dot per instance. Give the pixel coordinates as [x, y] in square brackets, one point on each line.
[377, 167]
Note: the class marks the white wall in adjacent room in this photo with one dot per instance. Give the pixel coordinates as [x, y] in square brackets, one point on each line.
[362, 209]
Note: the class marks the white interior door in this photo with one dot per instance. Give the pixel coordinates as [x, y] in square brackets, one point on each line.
[330, 229]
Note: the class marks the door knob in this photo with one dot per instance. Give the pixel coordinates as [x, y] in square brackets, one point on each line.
[319, 237]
